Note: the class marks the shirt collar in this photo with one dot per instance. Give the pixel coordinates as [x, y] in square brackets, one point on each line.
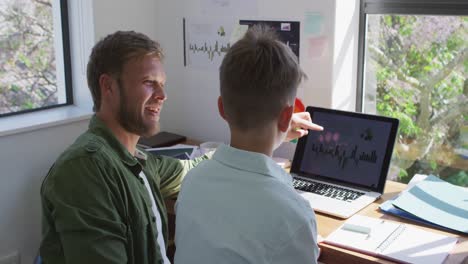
[252, 162]
[97, 127]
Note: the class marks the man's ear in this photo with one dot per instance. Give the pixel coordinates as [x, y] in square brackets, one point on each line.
[106, 84]
[284, 119]
[221, 108]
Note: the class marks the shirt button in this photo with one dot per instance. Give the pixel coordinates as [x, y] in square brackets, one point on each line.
[142, 181]
[153, 219]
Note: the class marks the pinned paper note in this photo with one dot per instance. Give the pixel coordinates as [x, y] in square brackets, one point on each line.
[313, 24]
[317, 46]
[237, 33]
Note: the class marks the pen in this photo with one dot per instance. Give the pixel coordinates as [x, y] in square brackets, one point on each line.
[357, 228]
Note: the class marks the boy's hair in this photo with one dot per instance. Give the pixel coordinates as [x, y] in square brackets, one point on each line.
[259, 76]
[110, 55]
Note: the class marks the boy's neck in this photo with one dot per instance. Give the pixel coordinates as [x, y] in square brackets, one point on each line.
[263, 142]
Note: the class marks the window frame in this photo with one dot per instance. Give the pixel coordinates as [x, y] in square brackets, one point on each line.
[402, 7]
[67, 70]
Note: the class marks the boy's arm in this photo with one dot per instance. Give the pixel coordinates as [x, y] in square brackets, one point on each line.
[301, 248]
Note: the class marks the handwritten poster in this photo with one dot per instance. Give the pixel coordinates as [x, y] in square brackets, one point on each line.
[206, 42]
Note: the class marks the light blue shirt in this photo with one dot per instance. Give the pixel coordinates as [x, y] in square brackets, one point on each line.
[240, 207]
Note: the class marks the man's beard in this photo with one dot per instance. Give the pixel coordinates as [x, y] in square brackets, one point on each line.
[131, 120]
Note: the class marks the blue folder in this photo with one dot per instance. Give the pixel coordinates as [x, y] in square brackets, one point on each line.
[388, 208]
[432, 202]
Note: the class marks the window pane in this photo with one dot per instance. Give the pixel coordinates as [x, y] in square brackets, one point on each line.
[415, 69]
[31, 55]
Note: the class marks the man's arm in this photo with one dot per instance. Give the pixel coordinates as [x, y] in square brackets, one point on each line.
[81, 210]
[172, 171]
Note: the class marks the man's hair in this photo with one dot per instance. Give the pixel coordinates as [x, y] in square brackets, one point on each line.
[259, 76]
[110, 55]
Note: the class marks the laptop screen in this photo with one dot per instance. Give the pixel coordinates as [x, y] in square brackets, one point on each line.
[353, 148]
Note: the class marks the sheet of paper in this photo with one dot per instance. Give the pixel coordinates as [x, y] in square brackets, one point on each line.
[438, 202]
[380, 230]
[317, 46]
[416, 245]
[313, 24]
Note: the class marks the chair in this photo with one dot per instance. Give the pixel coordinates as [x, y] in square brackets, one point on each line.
[37, 259]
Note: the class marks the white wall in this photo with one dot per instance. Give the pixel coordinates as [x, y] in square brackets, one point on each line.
[27, 153]
[26, 157]
[191, 106]
[110, 16]
[190, 110]
[24, 161]
[192, 92]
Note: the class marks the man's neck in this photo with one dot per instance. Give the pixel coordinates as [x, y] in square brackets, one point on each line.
[127, 139]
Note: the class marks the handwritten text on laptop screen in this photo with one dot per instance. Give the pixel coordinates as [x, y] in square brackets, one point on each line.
[349, 149]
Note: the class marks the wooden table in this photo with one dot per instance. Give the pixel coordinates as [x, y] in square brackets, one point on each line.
[327, 224]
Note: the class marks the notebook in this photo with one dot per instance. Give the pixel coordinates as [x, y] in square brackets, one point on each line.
[343, 168]
[161, 139]
[391, 240]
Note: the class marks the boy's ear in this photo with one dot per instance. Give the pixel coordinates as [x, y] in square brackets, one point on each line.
[221, 108]
[284, 119]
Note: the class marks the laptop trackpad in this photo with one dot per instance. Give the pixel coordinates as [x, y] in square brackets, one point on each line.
[336, 207]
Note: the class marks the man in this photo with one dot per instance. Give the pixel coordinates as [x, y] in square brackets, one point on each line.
[239, 206]
[103, 198]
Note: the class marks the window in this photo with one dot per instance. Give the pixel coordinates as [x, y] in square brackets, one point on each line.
[35, 56]
[413, 65]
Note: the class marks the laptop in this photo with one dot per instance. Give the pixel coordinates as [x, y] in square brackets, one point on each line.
[343, 168]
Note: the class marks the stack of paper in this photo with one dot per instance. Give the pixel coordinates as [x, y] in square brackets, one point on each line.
[433, 201]
[179, 151]
[391, 240]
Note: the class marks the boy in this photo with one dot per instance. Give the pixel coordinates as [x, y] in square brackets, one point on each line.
[240, 207]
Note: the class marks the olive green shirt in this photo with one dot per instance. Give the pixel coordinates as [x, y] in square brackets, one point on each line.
[96, 209]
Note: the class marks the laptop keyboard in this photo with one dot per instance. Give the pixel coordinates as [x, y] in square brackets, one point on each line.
[327, 190]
